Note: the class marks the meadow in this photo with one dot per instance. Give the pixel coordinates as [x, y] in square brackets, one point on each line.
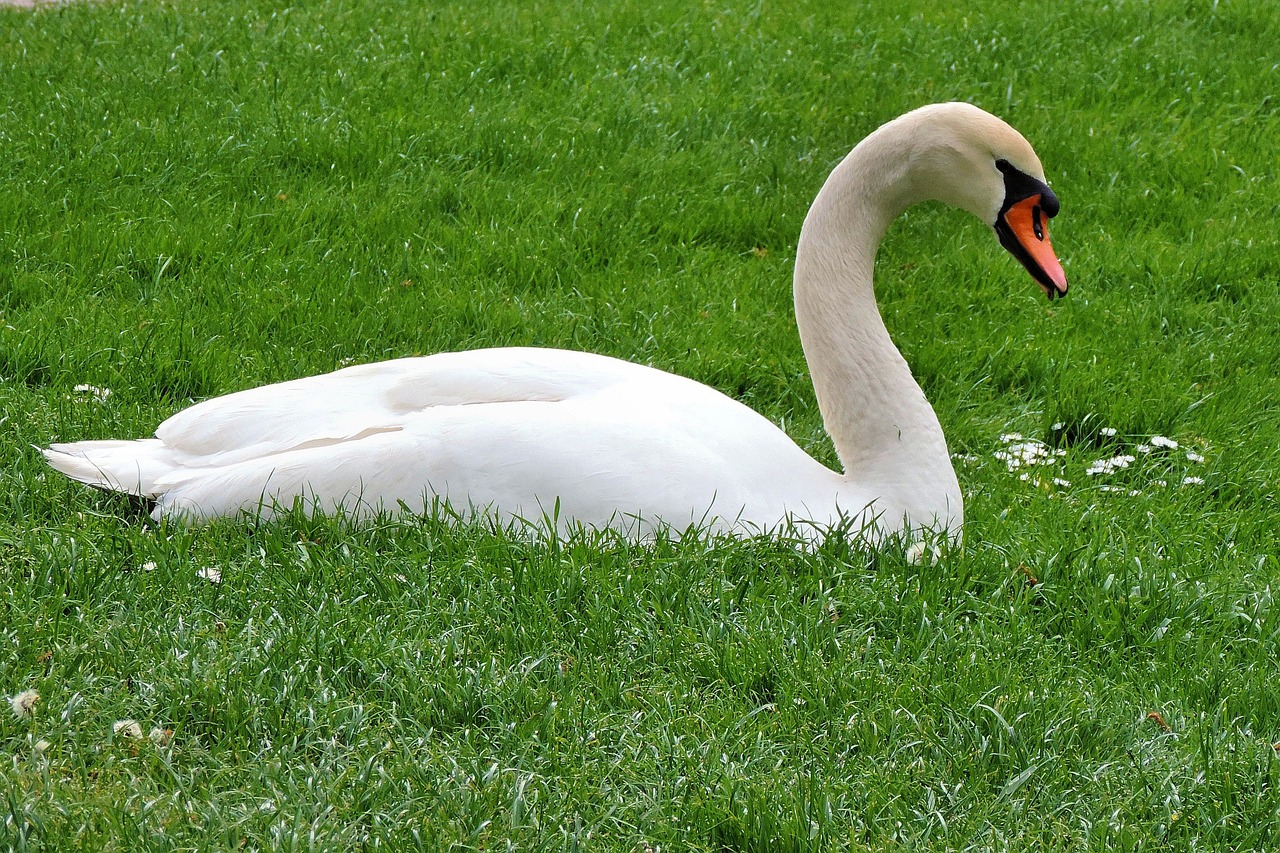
[201, 197]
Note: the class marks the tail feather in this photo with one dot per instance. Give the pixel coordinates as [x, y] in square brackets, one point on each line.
[132, 467]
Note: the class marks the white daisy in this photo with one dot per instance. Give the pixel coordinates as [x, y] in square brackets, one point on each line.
[99, 394]
[1024, 453]
[1106, 466]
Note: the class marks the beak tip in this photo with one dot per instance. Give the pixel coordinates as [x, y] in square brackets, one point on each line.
[1054, 288]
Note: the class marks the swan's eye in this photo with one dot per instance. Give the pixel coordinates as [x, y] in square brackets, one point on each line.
[1037, 223]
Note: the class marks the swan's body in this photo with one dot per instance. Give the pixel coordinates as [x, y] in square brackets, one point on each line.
[509, 430]
[540, 434]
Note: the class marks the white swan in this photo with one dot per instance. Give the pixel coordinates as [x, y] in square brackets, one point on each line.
[536, 434]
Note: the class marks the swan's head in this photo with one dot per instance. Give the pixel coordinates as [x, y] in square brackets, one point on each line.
[966, 157]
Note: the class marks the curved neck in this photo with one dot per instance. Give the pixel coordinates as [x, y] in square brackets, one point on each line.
[884, 430]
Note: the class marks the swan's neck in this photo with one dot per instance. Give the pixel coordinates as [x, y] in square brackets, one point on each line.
[883, 428]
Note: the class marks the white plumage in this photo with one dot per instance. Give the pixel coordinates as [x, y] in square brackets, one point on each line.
[510, 430]
[524, 433]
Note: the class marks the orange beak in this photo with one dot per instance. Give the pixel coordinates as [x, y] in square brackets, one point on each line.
[1023, 230]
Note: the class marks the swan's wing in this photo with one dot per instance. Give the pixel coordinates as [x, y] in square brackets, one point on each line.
[364, 400]
[342, 407]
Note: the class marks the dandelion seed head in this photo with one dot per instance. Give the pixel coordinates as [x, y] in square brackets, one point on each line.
[919, 554]
[127, 728]
[24, 703]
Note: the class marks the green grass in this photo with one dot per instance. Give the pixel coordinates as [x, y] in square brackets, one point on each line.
[197, 198]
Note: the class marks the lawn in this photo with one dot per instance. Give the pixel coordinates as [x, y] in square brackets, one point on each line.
[201, 197]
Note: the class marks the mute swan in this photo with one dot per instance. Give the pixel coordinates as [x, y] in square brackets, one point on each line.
[536, 434]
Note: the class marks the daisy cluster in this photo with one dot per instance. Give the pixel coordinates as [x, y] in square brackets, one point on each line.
[1020, 452]
[1031, 458]
[1156, 445]
[91, 392]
